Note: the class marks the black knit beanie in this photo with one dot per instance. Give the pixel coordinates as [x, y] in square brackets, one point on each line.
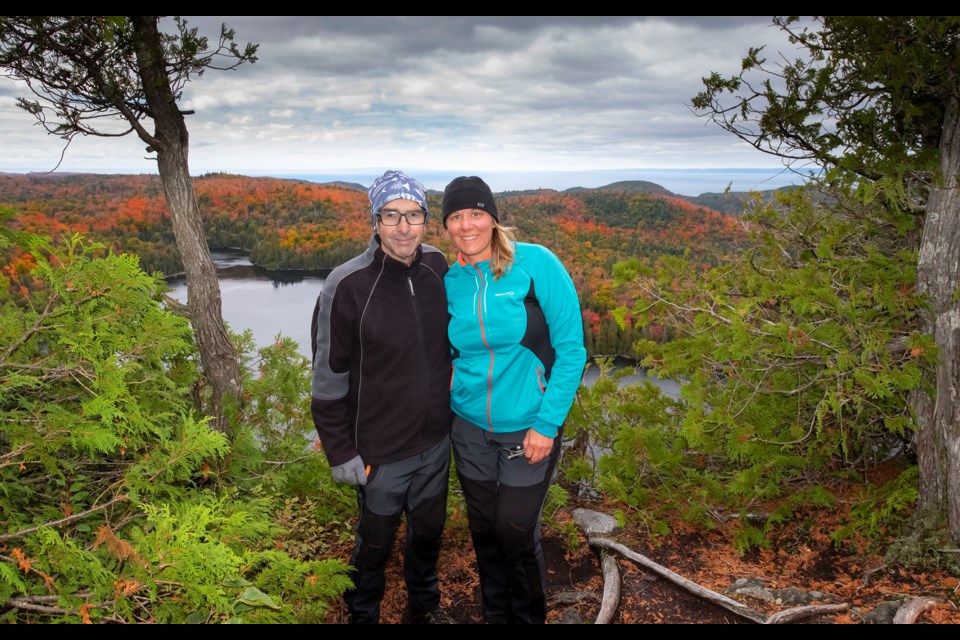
[468, 192]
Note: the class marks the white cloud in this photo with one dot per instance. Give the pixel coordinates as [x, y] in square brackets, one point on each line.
[547, 94]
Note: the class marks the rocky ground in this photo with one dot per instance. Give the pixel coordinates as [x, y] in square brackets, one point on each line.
[802, 567]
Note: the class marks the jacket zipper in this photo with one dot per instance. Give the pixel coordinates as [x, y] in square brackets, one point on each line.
[483, 336]
[422, 350]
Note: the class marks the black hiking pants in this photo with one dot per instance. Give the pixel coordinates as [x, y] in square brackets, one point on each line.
[417, 487]
[505, 498]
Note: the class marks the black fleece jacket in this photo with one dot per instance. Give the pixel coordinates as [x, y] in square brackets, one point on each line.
[381, 357]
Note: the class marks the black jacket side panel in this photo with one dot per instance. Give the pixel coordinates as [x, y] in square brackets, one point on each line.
[537, 336]
[381, 366]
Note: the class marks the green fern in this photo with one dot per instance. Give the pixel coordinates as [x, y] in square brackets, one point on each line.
[118, 498]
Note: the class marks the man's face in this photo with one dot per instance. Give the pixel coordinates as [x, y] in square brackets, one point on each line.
[400, 242]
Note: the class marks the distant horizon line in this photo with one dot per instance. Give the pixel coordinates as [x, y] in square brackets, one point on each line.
[689, 182]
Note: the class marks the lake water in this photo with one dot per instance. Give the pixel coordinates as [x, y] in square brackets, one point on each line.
[280, 303]
[269, 303]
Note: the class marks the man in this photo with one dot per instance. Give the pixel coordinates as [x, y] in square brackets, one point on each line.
[381, 396]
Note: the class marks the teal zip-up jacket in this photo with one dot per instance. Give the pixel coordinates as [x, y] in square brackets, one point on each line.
[518, 348]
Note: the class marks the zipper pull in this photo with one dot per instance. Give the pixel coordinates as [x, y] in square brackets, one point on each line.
[410, 284]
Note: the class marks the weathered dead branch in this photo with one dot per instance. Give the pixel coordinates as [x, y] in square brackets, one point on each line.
[911, 609]
[176, 307]
[711, 596]
[21, 603]
[62, 521]
[611, 589]
[781, 617]
[802, 613]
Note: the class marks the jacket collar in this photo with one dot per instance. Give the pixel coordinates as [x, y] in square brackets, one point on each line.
[483, 264]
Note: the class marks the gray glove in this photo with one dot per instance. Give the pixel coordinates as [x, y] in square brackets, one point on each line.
[350, 472]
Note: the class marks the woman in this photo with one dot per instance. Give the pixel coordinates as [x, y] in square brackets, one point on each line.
[517, 338]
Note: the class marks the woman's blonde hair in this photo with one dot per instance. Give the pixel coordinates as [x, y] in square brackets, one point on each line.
[502, 246]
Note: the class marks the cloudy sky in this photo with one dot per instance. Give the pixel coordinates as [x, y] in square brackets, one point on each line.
[525, 102]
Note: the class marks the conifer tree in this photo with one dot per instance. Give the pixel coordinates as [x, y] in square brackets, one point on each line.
[872, 103]
[87, 71]
[119, 503]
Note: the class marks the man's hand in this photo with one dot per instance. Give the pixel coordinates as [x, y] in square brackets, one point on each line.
[350, 472]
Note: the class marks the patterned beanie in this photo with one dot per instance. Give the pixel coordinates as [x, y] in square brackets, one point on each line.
[393, 185]
[468, 192]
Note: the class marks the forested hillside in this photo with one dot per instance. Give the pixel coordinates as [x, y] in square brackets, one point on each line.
[293, 224]
[156, 467]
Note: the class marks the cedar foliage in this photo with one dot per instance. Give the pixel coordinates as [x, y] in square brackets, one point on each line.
[120, 504]
[797, 360]
[872, 103]
[828, 346]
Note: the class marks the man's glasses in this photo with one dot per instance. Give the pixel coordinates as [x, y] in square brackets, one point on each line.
[391, 218]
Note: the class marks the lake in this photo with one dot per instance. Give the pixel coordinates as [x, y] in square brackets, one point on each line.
[280, 303]
[269, 303]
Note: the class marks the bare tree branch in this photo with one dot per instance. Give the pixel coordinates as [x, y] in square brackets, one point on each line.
[802, 613]
[611, 589]
[912, 608]
[711, 596]
[62, 521]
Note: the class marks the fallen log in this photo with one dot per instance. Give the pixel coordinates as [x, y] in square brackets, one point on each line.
[611, 589]
[802, 613]
[712, 596]
[910, 610]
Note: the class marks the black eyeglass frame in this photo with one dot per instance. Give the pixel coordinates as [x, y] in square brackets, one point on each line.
[402, 214]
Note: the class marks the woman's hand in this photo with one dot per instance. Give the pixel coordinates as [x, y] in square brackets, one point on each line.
[537, 445]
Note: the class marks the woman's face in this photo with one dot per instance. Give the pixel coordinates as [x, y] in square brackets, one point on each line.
[471, 230]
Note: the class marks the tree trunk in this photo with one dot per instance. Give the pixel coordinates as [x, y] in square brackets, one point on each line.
[218, 357]
[938, 278]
